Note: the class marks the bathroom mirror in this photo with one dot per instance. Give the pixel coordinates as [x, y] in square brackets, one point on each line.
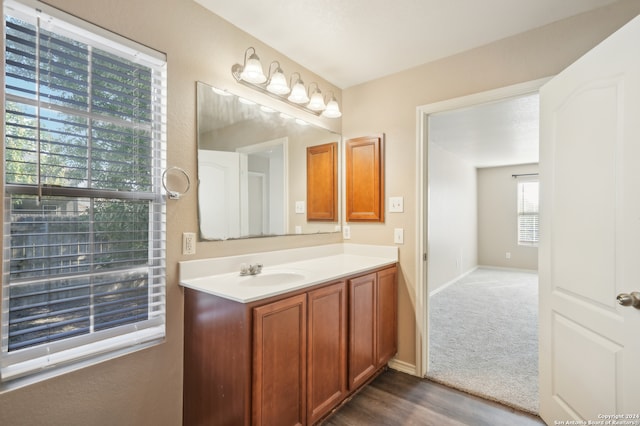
[252, 169]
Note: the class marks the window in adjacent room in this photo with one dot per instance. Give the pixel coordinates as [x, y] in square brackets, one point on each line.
[84, 216]
[528, 220]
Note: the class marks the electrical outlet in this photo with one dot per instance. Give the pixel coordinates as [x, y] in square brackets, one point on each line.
[188, 243]
[507, 255]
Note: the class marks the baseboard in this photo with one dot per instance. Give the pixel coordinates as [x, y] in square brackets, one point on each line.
[448, 283]
[403, 367]
[504, 268]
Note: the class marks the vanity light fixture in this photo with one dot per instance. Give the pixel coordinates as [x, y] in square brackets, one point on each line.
[298, 92]
[333, 109]
[252, 69]
[275, 85]
[317, 101]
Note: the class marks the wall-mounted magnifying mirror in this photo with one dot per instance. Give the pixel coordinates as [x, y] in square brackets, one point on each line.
[252, 169]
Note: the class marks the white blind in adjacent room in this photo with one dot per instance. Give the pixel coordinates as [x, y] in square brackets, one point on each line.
[528, 220]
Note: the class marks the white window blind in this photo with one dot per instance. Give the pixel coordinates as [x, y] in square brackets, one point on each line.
[528, 219]
[84, 234]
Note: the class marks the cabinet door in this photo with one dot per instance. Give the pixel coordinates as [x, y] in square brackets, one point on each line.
[387, 345]
[364, 158]
[322, 182]
[362, 329]
[279, 362]
[327, 349]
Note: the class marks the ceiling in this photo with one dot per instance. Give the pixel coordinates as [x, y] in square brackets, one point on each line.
[490, 134]
[348, 42]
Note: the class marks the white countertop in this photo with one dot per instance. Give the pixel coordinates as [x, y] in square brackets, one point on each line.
[284, 270]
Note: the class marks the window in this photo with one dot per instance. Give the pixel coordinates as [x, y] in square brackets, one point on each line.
[528, 221]
[84, 219]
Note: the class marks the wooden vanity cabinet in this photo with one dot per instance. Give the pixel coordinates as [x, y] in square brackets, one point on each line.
[362, 329]
[287, 360]
[280, 362]
[387, 312]
[373, 324]
[327, 349]
[217, 361]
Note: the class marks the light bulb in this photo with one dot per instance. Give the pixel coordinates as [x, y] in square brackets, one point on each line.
[252, 71]
[316, 103]
[332, 110]
[299, 93]
[278, 83]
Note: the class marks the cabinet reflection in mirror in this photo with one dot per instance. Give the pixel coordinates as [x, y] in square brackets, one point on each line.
[252, 169]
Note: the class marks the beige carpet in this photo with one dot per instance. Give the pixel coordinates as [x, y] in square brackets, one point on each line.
[484, 336]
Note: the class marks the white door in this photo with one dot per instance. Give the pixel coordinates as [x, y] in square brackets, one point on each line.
[590, 235]
[219, 194]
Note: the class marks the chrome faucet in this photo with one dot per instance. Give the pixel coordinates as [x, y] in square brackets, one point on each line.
[251, 269]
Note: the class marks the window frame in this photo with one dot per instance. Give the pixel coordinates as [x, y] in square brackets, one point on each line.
[36, 363]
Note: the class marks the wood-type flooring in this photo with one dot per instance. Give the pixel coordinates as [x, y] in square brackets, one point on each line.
[396, 398]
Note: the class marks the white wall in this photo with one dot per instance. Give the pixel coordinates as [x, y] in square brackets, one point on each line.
[452, 222]
[497, 219]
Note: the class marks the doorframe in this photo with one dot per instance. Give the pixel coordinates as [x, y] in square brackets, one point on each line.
[422, 188]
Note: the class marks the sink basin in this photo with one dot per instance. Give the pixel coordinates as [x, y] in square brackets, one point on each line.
[267, 278]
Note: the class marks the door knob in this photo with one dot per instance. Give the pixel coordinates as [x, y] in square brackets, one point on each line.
[629, 299]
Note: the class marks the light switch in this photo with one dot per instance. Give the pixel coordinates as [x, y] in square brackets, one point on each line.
[396, 204]
[299, 206]
[346, 232]
[398, 235]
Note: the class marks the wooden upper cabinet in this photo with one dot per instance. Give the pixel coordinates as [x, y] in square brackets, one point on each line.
[364, 159]
[322, 182]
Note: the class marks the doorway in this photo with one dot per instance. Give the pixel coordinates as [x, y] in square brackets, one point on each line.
[449, 230]
[264, 181]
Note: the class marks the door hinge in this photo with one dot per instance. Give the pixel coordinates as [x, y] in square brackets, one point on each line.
[424, 256]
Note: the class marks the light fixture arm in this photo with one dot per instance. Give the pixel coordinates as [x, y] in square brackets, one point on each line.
[249, 57]
[273, 71]
[309, 92]
[292, 81]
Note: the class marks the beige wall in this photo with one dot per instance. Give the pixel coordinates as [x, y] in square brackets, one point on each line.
[388, 105]
[145, 388]
[497, 219]
[453, 217]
